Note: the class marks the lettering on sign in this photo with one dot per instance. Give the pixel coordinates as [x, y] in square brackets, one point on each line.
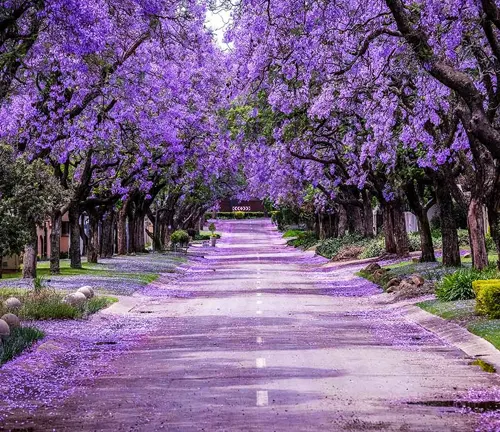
[241, 208]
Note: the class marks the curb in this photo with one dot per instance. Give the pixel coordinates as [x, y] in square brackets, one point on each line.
[380, 259]
[455, 335]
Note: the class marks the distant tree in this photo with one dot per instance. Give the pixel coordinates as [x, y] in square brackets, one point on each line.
[28, 192]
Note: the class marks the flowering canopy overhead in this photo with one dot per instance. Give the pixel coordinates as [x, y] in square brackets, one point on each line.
[118, 85]
[353, 84]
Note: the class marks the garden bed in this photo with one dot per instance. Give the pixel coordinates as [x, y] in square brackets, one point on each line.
[120, 275]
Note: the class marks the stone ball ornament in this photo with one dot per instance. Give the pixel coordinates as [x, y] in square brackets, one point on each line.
[4, 329]
[87, 291]
[12, 320]
[12, 303]
[75, 299]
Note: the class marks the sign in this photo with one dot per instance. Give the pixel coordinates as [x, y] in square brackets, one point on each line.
[241, 208]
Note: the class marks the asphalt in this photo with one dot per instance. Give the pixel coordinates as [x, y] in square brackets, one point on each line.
[267, 339]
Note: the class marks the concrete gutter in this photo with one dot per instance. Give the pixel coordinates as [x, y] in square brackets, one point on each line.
[472, 345]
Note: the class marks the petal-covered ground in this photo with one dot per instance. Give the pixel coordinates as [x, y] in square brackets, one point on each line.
[255, 336]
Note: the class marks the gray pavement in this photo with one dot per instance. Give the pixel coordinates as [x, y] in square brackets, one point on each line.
[265, 338]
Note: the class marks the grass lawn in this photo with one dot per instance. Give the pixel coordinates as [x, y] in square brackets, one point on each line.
[456, 310]
[43, 270]
[487, 329]
[462, 312]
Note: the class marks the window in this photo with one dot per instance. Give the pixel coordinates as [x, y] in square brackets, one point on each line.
[65, 228]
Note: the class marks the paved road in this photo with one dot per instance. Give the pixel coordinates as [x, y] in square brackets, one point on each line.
[264, 340]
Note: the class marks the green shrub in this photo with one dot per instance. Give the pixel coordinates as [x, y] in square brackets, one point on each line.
[239, 215]
[374, 248]
[233, 215]
[47, 304]
[292, 233]
[254, 215]
[39, 283]
[206, 236]
[488, 298]
[414, 241]
[180, 237]
[18, 341]
[463, 237]
[304, 240]
[458, 285]
[329, 248]
[95, 304]
[490, 244]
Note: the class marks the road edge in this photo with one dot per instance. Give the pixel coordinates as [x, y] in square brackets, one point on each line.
[455, 335]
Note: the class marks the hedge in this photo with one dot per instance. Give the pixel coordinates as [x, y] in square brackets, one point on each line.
[236, 215]
[487, 297]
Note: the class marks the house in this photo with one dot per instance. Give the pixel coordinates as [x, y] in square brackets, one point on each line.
[11, 264]
[43, 236]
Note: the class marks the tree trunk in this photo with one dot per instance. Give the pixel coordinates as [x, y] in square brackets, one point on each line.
[400, 233]
[55, 242]
[425, 237]
[390, 243]
[449, 236]
[475, 221]
[74, 231]
[93, 239]
[122, 230]
[140, 241]
[367, 215]
[494, 220]
[355, 220]
[132, 234]
[342, 221]
[415, 201]
[30, 255]
[107, 235]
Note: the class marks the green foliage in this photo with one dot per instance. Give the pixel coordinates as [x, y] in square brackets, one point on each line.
[414, 241]
[490, 244]
[292, 233]
[97, 303]
[487, 297]
[458, 285]
[304, 240]
[202, 236]
[487, 329]
[463, 237]
[416, 245]
[453, 310]
[180, 237]
[19, 340]
[329, 248]
[39, 284]
[29, 191]
[239, 215]
[373, 248]
[48, 304]
[212, 228]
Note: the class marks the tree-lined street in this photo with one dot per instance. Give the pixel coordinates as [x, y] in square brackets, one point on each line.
[261, 342]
